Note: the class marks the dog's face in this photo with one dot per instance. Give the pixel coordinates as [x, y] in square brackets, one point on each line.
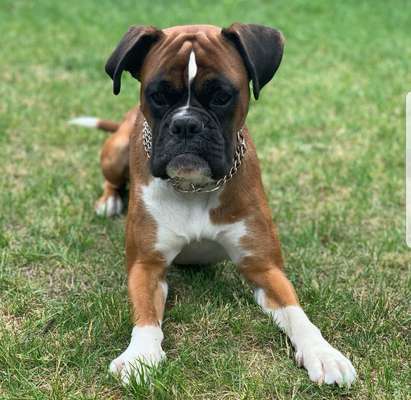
[195, 91]
[193, 117]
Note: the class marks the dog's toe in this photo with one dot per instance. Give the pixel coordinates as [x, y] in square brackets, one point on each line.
[109, 206]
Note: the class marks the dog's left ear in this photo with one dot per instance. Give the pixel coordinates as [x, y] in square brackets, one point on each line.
[261, 49]
[130, 53]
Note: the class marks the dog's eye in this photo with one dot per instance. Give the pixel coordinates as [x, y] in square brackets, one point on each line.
[221, 98]
[159, 99]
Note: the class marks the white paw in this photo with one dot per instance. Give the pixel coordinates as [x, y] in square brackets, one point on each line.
[324, 363]
[143, 353]
[110, 206]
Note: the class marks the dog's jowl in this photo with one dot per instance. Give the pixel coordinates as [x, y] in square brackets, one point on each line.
[195, 193]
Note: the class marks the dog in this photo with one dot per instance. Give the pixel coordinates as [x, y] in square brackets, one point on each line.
[195, 189]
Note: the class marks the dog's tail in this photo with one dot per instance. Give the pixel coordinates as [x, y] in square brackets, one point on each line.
[92, 122]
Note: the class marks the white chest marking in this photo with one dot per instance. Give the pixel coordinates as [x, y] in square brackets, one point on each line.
[184, 218]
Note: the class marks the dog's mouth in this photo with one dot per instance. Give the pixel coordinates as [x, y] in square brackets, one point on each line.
[190, 168]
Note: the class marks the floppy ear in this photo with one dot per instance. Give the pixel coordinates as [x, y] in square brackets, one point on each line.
[261, 49]
[130, 53]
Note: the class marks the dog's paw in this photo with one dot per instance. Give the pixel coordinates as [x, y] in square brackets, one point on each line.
[324, 363]
[143, 353]
[109, 206]
[137, 364]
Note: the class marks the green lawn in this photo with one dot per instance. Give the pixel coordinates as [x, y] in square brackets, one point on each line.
[330, 135]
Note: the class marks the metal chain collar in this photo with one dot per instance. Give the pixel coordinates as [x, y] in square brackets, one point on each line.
[180, 184]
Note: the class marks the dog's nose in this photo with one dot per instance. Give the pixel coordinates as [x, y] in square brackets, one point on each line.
[186, 125]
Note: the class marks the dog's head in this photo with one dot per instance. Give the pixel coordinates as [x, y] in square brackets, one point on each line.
[195, 90]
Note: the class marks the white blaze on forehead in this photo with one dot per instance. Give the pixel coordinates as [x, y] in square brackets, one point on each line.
[192, 72]
[192, 67]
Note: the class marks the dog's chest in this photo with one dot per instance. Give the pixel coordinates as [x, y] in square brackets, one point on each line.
[184, 227]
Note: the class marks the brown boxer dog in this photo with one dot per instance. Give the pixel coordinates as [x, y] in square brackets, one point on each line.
[195, 193]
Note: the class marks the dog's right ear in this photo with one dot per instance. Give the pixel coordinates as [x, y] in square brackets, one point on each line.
[130, 53]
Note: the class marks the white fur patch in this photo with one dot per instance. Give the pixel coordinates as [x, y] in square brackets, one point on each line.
[323, 362]
[182, 111]
[143, 353]
[110, 207]
[192, 67]
[192, 72]
[164, 288]
[88, 122]
[184, 218]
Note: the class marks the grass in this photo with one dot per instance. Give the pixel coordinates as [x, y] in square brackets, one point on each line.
[329, 130]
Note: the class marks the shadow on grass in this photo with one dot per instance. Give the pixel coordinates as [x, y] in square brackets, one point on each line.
[220, 283]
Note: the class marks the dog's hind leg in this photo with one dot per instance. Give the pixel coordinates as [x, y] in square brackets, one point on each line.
[114, 162]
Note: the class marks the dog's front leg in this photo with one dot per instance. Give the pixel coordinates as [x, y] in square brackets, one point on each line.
[275, 294]
[148, 292]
